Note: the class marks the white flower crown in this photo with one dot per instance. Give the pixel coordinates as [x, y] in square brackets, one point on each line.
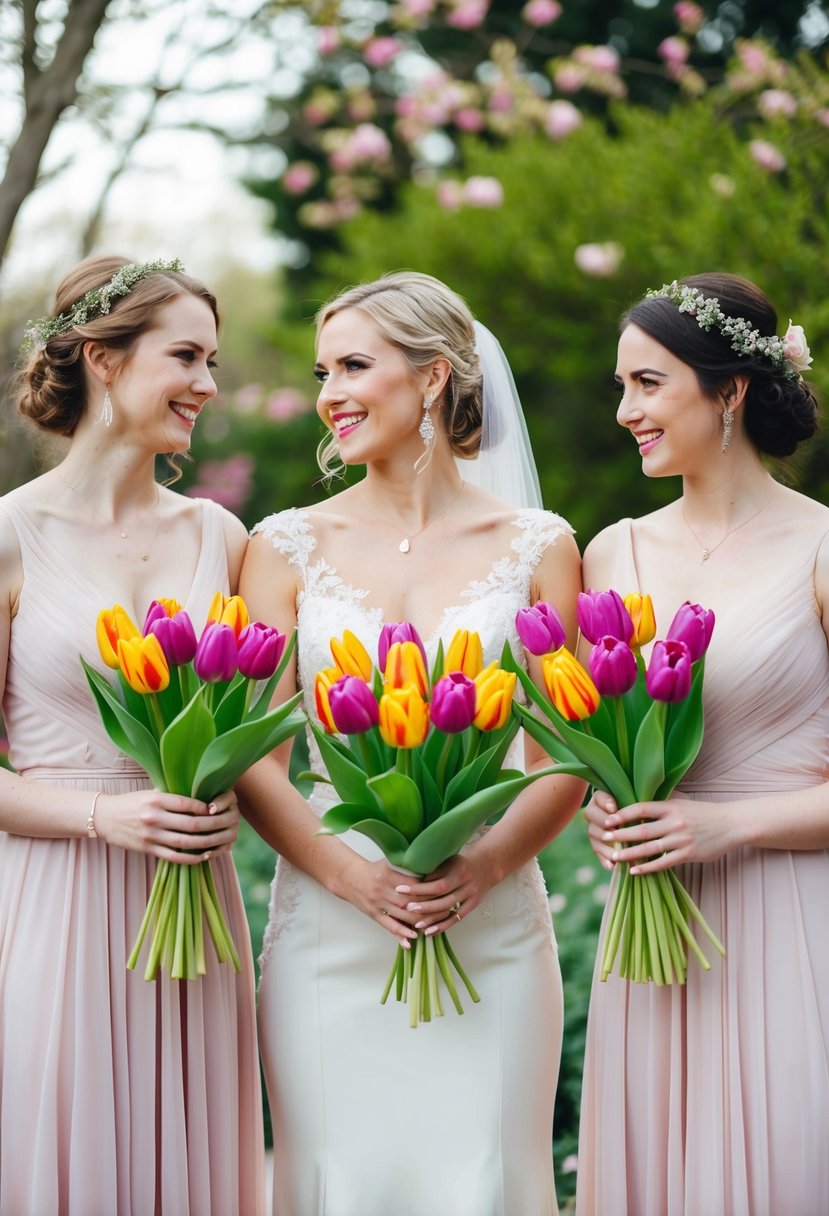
[790, 354]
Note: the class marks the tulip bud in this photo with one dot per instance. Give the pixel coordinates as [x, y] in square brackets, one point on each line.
[143, 664]
[216, 653]
[569, 686]
[668, 677]
[494, 688]
[454, 700]
[404, 665]
[465, 654]
[351, 656]
[602, 613]
[158, 610]
[613, 667]
[540, 628]
[640, 610]
[323, 684]
[113, 625]
[228, 610]
[176, 635]
[353, 706]
[404, 717]
[693, 626]
[260, 649]
[397, 631]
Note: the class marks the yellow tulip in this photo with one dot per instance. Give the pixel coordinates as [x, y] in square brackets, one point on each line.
[228, 610]
[640, 609]
[494, 689]
[569, 686]
[143, 664]
[351, 656]
[404, 717]
[465, 654]
[113, 625]
[322, 683]
[404, 665]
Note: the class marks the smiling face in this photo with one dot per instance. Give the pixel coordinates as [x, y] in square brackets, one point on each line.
[167, 378]
[370, 397]
[676, 427]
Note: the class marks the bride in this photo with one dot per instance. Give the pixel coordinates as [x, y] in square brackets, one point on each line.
[370, 1117]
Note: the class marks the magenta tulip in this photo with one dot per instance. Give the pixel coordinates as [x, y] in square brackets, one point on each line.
[540, 628]
[693, 626]
[668, 677]
[216, 654]
[613, 666]
[602, 614]
[398, 631]
[260, 649]
[176, 636]
[353, 705]
[454, 699]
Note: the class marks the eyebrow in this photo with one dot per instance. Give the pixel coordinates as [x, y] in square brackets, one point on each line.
[641, 371]
[355, 354]
[192, 345]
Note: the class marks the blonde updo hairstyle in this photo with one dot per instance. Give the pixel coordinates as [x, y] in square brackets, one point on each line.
[426, 321]
[52, 387]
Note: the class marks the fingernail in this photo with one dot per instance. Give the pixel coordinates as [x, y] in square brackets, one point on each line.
[421, 924]
[414, 907]
[206, 856]
[212, 809]
[615, 857]
[403, 890]
[635, 870]
[430, 931]
[607, 836]
[405, 943]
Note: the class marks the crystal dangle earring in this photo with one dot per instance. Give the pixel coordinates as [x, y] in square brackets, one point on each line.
[727, 428]
[426, 431]
[105, 415]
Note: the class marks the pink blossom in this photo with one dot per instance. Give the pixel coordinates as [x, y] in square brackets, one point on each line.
[689, 16]
[381, 51]
[328, 40]
[541, 12]
[483, 192]
[406, 107]
[772, 102]
[228, 482]
[316, 112]
[674, 51]
[469, 119]
[599, 58]
[753, 57]
[299, 177]
[468, 14]
[502, 100]
[601, 260]
[417, 8]
[561, 119]
[246, 400]
[570, 1164]
[449, 195]
[569, 78]
[285, 403]
[767, 156]
[365, 143]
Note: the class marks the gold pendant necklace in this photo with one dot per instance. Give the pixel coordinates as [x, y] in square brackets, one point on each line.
[142, 553]
[406, 543]
[707, 551]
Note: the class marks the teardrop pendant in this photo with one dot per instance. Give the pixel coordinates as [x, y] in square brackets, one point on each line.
[404, 545]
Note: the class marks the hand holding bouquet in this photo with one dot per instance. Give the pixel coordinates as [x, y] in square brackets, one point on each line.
[188, 710]
[417, 763]
[633, 731]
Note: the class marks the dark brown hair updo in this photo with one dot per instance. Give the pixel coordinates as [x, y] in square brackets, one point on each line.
[780, 411]
[52, 384]
[425, 320]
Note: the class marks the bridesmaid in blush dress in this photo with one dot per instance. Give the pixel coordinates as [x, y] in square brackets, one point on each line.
[712, 1098]
[118, 1097]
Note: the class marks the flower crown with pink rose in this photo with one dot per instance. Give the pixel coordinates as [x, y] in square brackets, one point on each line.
[789, 354]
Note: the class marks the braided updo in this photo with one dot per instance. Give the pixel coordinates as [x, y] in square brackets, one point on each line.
[425, 320]
[52, 387]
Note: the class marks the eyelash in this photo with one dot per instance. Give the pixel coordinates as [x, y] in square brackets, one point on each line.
[190, 355]
[350, 365]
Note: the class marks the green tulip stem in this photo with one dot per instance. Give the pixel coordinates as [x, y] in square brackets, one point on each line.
[403, 763]
[445, 753]
[396, 974]
[417, 980]
[156, 893]
[473, 743]
[446, 970]
[661, 959]
[215, 917]
[621, 733]
[182, 885]
[198, 922]
[453, 958]
[156, 714]
[365, 752]
[639, 963]
[617, 919]
[691, 908]
[158, 944]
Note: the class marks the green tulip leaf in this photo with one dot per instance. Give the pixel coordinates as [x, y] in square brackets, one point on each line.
[600, 765]
[183, 743]
[683, 733]
[349, 779]
[262, 700]
[231, 709]
[231, 754]
[400, 799]
[437, 667]
[349, 816]
[126, 732]
[649, 753]
[432, 801]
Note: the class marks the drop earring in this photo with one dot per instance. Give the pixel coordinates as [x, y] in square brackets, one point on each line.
[727, 428]
[426, 430]
[105, 415]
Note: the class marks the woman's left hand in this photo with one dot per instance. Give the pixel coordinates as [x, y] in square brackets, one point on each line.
[449, 894]
[659, 835]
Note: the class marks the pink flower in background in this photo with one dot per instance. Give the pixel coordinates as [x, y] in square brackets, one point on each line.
[469, 119]
[417, 8]
[599, 260]
[570, 1164]
[365, 143]
[767, 156]
[381, 51]
[286, 403]
[247, 399]
[502, 100]
[599, 58]
[299, 177]
[569, 78]
[468, 14]
[674, 51]
[328, 39]
[772, 102]
[449, 195]
[561, 119]
[689, 16]
[483, 192]
[228, 482]
[753, 57]
[541, 12]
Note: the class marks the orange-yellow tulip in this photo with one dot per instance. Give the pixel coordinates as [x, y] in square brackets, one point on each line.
[640, 608]
[113, 626]
[404, 717]
[229, 610]
[351, 656]
[404, 665]
[143, 664]
[465, 654]
[494, 689]
[569, 686]
[322, 683]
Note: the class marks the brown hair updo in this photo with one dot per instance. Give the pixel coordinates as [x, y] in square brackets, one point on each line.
[425, 320]
[51, 383]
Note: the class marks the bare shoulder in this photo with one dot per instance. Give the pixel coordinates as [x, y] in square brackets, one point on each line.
[11, 562]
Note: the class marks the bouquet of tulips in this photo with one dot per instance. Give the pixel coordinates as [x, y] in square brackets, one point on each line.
[416, 760]
[191, 712]
[632, 730]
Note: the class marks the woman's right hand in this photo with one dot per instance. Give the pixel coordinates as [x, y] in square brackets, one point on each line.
[168, 826]
[596, 812]
[371, 887]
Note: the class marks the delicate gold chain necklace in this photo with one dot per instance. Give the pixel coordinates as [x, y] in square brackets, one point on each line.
[406, 543]
[706, 552]
[143, 553]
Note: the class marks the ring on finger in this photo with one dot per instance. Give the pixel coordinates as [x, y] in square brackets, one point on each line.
[456, 907]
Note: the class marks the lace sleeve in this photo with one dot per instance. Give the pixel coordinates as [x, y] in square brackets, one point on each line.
[291, 534]
[537, 530]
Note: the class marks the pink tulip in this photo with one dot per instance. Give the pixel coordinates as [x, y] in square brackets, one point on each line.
[668, 677]
[692, 625]
[176, 636]
[603, 613]
[453, 703]
[260, 649]
[540, 628]
[353, 706]
[216, 654]
[613, 667]
[398, 631]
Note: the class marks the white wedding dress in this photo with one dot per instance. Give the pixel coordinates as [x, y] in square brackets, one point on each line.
[371, 1117]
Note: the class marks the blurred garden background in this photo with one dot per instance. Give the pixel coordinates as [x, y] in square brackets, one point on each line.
[551, 159]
